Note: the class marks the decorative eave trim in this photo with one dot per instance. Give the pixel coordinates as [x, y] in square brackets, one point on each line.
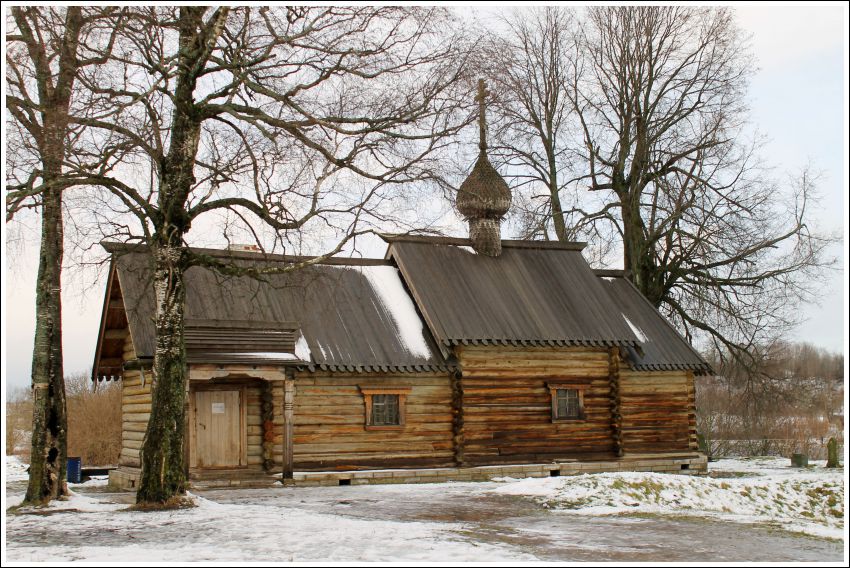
[335, 368]
[546, 342]
[697, 368]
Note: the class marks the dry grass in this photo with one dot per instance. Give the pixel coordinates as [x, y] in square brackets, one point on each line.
[174, 503]
[18, 423]
[94, 421]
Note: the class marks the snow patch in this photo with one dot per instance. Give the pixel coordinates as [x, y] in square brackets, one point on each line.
[237, 532]
[467, 248]
[16, 470]
[636, 330]
[267, 355]
[386, 283]
[322, 350]
[302, 350]
[809, 501]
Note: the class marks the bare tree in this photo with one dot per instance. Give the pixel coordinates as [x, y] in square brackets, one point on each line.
[276, 118]
[662, 164]
[529, 66]
[46, 50]
[739, 411]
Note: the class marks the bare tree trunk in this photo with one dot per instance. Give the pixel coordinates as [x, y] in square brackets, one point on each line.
[49, 419]
[162, 455]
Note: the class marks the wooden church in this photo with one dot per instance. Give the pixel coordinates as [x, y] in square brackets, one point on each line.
[450, 358]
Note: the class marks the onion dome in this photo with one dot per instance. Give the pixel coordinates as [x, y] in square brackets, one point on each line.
[484, 197]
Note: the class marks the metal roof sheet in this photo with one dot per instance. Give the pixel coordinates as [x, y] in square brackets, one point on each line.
[662, 347]
[527, 295]
[347, 320]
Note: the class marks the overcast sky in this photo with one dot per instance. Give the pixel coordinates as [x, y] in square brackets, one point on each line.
[797, 98]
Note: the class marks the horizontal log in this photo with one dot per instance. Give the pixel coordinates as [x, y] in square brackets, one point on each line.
[368, 461]
[304, 420]
[144, 398]
[136, 390]
[371, 459]
[377, 439]
[134, 426]
[127, 453]
[383, 447]
[132, 435]
[360, 408]
[136, 417]
[359, 428]
[129, 462]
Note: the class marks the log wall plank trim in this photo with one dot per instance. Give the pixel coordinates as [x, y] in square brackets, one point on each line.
[657, 411]
[329, 424]
[507, 404]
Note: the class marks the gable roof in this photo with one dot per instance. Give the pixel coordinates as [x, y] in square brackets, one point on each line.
[346, 316]
[535, 293]
[368, 315]
[529, 295]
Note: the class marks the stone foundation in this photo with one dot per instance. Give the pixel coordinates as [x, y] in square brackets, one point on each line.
[687, 464]
[126, 479]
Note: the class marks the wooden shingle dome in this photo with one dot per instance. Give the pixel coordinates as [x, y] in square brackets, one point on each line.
[484, 197]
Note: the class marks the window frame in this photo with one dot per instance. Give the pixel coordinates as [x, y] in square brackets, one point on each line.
[554, 387]
[369, 391]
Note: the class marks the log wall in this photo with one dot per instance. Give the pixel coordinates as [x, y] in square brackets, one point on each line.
[255, 426]
[135, 410]
[507, 409]
[658, 411]
[330, 417]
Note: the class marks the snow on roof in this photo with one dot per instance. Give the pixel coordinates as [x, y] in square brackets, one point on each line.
[275, 355]
[386, 282]
[302, 350]
[636, 330]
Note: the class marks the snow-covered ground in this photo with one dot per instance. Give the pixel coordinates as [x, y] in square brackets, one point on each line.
[758, 490]
[507, 520]
[231, 532]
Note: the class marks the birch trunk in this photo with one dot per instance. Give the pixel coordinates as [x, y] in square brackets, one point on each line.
[49, 421]
[162, 455]
[49, 450]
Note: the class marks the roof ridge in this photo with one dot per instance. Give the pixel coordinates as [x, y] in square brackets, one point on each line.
[113, 247]
[459, 241]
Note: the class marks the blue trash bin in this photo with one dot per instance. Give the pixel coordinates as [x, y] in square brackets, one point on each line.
[75, 470]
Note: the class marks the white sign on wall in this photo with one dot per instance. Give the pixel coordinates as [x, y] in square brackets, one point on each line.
[218, 408]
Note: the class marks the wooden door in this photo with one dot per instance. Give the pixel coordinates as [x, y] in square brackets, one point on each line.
[219, 429]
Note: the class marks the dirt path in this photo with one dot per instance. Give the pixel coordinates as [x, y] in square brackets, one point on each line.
[548, 535]
[500, 524]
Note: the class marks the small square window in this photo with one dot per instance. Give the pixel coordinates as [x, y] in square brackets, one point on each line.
[385, 407]
[567, 401]
[385, 410]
